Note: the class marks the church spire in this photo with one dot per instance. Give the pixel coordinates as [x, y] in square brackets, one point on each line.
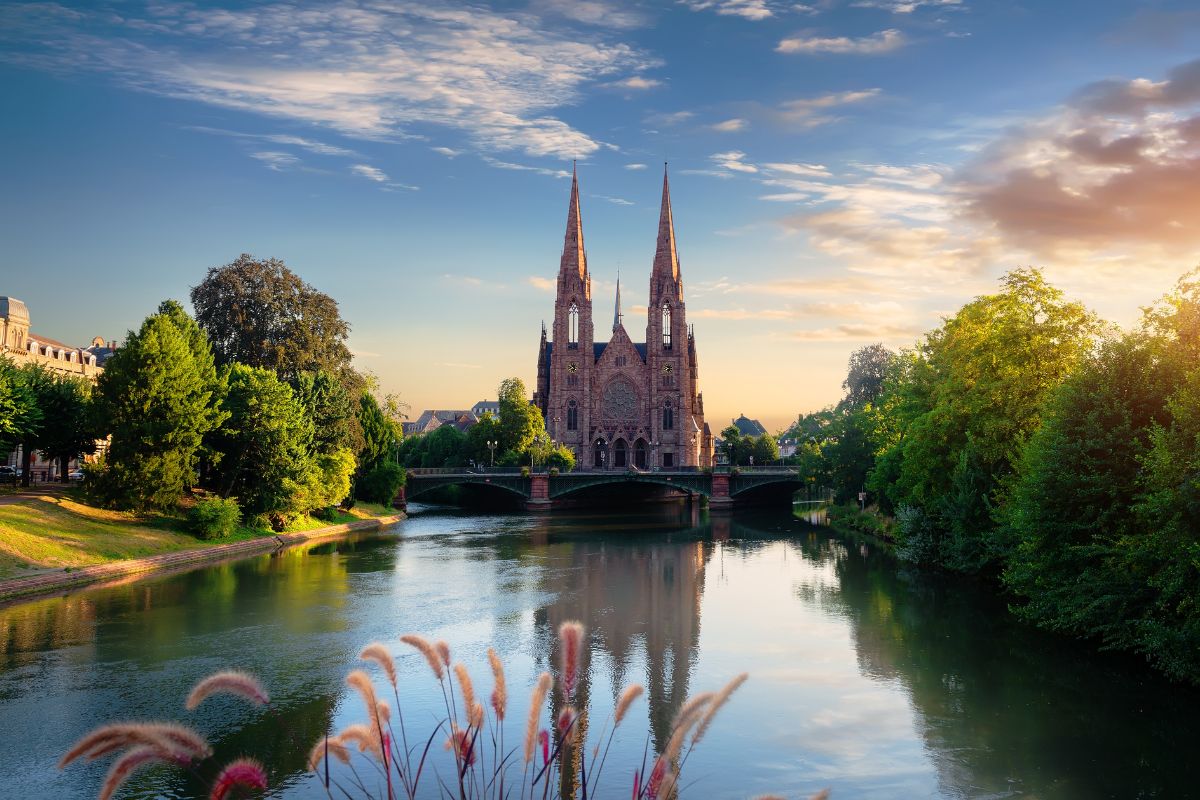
[617, 307]
[666, 259]
[574, 257]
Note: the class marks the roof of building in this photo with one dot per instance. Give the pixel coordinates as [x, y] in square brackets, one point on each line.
[598, 350]
[14, 309]
[749, 427]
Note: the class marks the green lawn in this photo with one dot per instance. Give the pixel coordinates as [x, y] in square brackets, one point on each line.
[49, 531]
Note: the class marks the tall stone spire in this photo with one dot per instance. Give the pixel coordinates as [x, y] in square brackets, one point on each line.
[617, 307]
[574, 257]
[666, 259]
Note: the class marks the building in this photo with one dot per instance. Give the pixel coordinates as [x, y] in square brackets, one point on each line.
[622, 403]
[24, 347]
[486, 406]
[747, 426]
[432, 419]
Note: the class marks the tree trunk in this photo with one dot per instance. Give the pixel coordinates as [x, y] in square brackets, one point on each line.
[26, 463]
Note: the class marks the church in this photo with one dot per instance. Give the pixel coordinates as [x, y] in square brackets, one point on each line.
[623, 404]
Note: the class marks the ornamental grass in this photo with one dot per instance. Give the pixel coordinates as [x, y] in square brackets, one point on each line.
[380, 758]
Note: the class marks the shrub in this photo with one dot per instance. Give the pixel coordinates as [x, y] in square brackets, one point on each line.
[380, 485]
[214, 517]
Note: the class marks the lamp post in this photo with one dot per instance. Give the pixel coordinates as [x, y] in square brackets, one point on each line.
[491, 446]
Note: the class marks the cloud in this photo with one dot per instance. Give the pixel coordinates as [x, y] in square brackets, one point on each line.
[635, 166]
[374, 71]
[733, 160]
[276, 160]
[747, 9]
[809, 112]
[670, 118]
[636, 83]
[862, 332]
[807, 170]
[619, 201]
[552, 173]
[448, 152]
[909, 6]
[593, 12]
[370, 173]
[540, 283]
[876, 44]
[311, 145]
[731, 126]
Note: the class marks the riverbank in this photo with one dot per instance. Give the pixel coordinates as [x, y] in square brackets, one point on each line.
[850, 519]
[50, 542]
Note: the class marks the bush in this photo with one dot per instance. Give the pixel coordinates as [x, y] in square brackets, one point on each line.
[380, 484]
[214, 517]
[919, 536]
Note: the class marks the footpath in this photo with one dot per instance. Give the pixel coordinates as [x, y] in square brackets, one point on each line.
[47, 582]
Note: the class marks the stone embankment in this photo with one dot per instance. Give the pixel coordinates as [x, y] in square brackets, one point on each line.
[56, 581]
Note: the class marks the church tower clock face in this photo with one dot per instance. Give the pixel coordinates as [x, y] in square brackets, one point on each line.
[620, 400]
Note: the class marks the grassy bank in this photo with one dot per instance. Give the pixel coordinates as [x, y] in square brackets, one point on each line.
[57, 531]
[849, 518]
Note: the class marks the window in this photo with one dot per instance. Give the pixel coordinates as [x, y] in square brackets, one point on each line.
[573, 326]
[620, 361]
[668, 416]
[668, 459]
[666, 326]
[572, 379]
[668, 381]
[572, 415]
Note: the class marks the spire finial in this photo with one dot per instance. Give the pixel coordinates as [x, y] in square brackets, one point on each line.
[617, 315]
[574, 257]
[666, 260]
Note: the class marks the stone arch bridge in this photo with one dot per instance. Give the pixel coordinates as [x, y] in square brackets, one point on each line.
[542, 491]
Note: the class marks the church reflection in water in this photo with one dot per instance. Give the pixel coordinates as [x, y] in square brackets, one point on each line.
[639, 598]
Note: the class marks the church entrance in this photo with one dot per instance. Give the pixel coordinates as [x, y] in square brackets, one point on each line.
[620, 454]
[639, 454]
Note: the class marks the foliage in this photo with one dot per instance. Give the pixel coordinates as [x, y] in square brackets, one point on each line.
[20, 414]
[70, 426]
[332, 410]
[866, 375]
[765, 449]
[158, 403]
[561, 458]
[520, 421]
[259, 313]
[214, 517]
[381, 484]
[380, 434]
[264, 444]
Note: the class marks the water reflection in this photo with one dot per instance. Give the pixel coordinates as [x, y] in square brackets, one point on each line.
[865, 677]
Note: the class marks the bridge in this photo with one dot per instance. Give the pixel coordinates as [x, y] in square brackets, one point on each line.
[541, 490]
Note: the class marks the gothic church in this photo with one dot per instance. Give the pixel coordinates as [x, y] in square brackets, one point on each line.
[623, 404]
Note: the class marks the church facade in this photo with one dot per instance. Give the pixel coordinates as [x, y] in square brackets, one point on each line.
[621, 404]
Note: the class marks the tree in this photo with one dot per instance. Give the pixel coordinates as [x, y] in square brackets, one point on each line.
[158, 405]
[332, 410]
[443, 448]
[265, 444]
[520, 420]
[70, 426]
[765, 449]
[487, 429]
[865, 376]
[380, 434]
[259, 313]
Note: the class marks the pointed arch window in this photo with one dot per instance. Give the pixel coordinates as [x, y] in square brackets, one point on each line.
[572, 415]
[666, 326]
[573, 326]
[668, 416]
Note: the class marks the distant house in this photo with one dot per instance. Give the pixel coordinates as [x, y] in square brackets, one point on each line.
[787, 446]
[748, 427]
[485, 406]
[432, 419]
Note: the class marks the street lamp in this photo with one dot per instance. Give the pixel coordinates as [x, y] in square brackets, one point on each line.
[491, 446]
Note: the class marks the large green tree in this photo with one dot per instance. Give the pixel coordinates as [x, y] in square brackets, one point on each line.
[332, 409]
[20, 413]
[158, 403]
[71, 426]
[261, 314]
[520, 420]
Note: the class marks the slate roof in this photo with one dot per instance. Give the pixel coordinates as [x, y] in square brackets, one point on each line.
[598, 350]
[749, 427]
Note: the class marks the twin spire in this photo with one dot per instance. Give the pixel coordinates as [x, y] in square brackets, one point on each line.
[666, 258]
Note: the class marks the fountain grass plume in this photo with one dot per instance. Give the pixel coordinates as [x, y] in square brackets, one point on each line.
[164, 737]
[361, 683]
[567, 729]
[500, 692]
[570, 635]
[378, 653]
[632, 692]
[463, 744]
[536, 701]
[443, 650]
[426, 649]
[468, 693]
[243, 772]
[124, 767]
[715, 706]
[364, 737]
[334, 746]
[241, 684]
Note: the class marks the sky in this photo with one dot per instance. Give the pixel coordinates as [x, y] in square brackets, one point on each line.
[843, 171]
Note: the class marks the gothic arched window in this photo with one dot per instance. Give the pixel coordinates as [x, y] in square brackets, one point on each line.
[668, 416]
[573, 326]
[666, 326]
[572, 415]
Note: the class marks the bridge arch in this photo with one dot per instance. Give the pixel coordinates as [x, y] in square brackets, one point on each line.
[416, 488]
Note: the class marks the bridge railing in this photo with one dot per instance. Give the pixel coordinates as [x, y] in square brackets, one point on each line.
[418, 471]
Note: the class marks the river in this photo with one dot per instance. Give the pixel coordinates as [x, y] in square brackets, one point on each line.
[865, 677]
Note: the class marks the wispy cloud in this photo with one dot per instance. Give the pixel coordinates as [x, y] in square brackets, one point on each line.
[370, 173]
[276, 160]
[540, 283]
[636, 83]
[635, 166]
[876, 44]
[311, 145]
[618, 201]
[552, 173]
[593, 12]
[371, 71]
[733, 160]
[747, 9]
[448, 152]
[669, 118]
[731, 125]
[909, 6]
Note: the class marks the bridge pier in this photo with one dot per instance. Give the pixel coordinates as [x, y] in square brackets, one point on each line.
[539, 493]
[720, 500]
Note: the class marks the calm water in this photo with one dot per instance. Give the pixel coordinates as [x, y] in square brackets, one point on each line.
[864, 677]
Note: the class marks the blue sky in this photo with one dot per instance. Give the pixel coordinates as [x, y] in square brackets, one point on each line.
[842, 172]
